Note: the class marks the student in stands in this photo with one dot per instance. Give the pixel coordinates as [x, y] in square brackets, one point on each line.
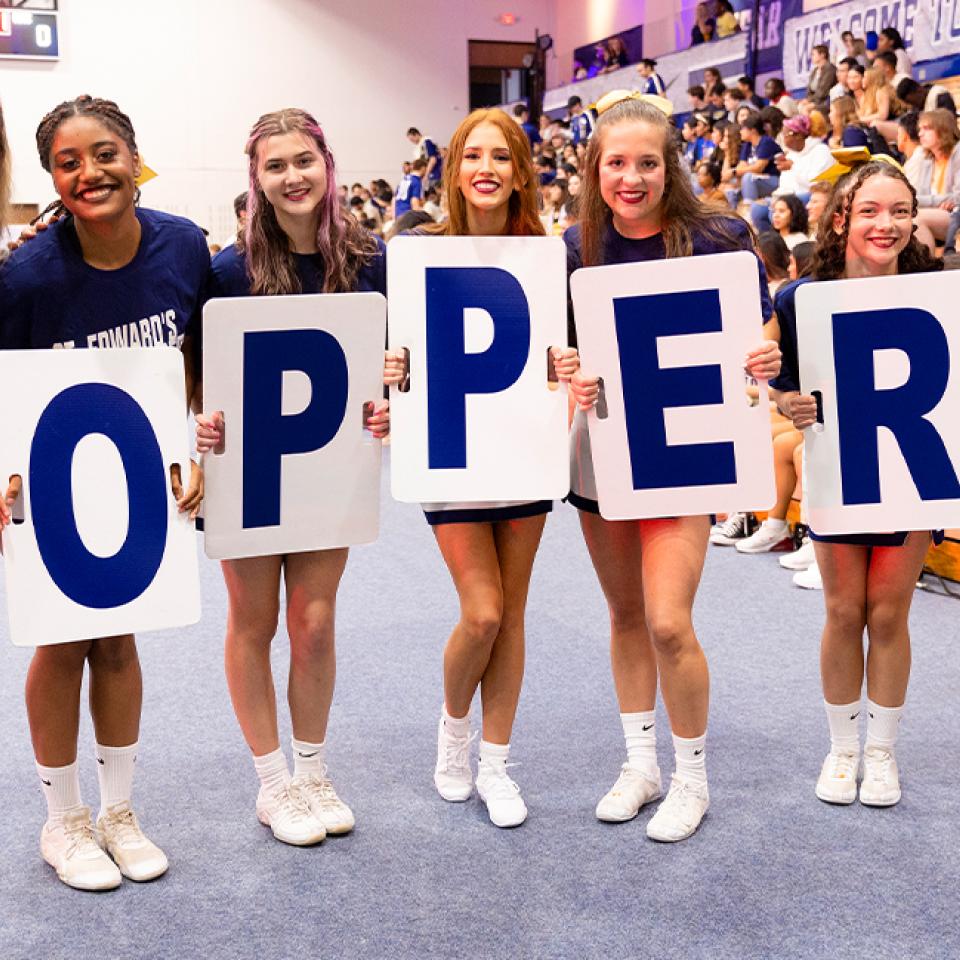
[704, 27]
[522, 115]
[925, 96]
[778, 97]
[650, 81]
[757, 168]
[840, 88]
[823, 76]
[581, 121]
[747, 86]
[846, 126]
[410, 191]
[88, 281]
[876, 105]
[491, 191]
[637, 205]
[938, 178]
[788, 217]
[425, 149]
[889, 40]
[820, 193]
[775, 255]
[708, 177]
[803, 159]
[298, 240]
[854, 47]
[868, 579]
[727, 22]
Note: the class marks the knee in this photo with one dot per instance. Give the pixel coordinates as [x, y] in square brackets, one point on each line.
[253, 629]
[311, 634]
[116, 654]
[849, 619]
[886, 623]
[481, 625]
[627, 618]
[671, 633]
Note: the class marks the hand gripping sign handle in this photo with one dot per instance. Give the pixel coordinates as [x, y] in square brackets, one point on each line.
[818, 396]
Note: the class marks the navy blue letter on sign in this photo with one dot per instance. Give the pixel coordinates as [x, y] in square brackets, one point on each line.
[453, 372]
[648, 390]
[91, 581]
[862, 408]
[268, 435]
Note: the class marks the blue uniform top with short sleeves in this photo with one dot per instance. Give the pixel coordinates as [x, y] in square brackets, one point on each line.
[51, 297]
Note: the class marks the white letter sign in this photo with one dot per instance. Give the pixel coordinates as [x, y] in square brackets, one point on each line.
[102, 549]
[877, 354]
[293, 377]
[669, 338]
[481, 421]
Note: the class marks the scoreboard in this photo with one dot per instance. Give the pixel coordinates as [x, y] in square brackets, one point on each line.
[29, 30]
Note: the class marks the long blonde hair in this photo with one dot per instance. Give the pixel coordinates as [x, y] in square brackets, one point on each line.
[523, 219]
[874, 82]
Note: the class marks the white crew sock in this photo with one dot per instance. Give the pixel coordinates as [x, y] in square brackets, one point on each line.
[272, 770]
[771, 523]
[640, 734]
[494, 754]
[115, 773]
[691, 758]
[883, 725]
[844, 726]
[61, 789]
[458, 727]
[307, 758]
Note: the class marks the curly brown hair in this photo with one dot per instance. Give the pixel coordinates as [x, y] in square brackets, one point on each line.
[830, 256]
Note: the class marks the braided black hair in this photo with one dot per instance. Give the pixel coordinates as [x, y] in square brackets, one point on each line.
[86, 106]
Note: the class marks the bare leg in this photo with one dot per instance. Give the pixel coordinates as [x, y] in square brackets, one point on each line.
[843, 568]
[516, 543]
[253, 587]
[53, 701]
[312, 580]
[116, 690]
[891, 581]
[786, 477]
[615, 551]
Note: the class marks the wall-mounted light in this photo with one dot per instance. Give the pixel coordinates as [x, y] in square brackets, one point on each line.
[507, 19]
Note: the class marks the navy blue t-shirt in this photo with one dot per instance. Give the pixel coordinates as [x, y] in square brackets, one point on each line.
[228, 273]
[51, 297]
[620, 249]
[581, 126]
[533, 134]
[409, 187]
[766, 149]
[785, 303]
[429, 149]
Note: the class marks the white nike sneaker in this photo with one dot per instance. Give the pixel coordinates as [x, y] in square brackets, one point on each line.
[809, 579]
[771, 535]
[680, 814]
[837, 782]
[336, 817]
[800, 559]
[69, 845]
[732, 529]
[632, 790]
[881, 778]
[120, 835]
[452, 775]
[288, 815]
[505, 806]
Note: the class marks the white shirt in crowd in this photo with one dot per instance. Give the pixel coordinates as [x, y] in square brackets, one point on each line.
[807, 163]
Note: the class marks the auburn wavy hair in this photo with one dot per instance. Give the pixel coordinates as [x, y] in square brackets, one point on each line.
[343, 245]
[682, 215]
[523, 216]
[830, 256]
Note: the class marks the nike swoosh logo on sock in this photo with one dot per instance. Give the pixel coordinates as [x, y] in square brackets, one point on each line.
[306, 756]
[647, 727]
[857, 714]
[100, 760]
[47, 782]
[697, 753]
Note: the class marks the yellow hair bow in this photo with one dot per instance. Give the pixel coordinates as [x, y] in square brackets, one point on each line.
[846, 159]
[614, 97]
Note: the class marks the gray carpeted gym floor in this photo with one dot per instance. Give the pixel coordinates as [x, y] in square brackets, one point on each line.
[773, 873]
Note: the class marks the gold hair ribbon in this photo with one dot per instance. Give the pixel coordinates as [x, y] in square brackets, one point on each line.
[145, 174]
[846, 159]
[614, 97]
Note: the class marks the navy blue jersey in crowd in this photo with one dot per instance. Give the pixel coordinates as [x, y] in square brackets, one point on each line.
[581, 126]
[620, 249]
[228, 273]
[766, 149]
[51, 297]
[533, 134]
[410, 187]
[429, 149]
